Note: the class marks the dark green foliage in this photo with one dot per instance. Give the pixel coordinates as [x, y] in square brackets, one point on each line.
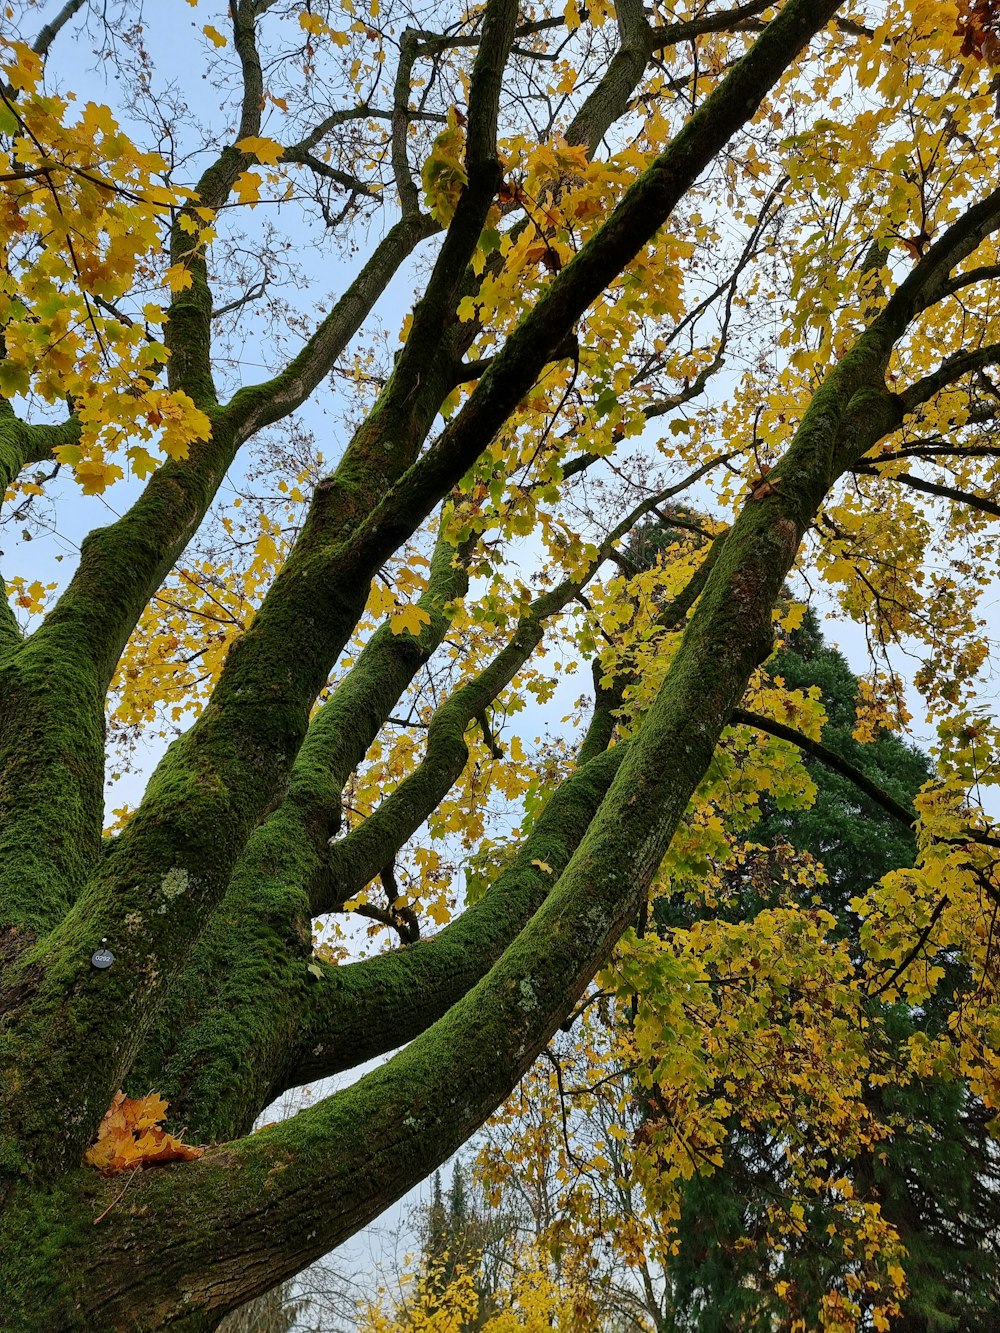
[856, 841]
[939, 1185]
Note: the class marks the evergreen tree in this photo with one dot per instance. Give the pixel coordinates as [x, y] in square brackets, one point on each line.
[856, 840]
[460, 1234]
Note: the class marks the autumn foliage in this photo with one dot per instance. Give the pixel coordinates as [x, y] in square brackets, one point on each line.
[132, 1135]
[425, 435]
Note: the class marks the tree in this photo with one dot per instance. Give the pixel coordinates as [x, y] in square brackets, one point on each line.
[613, 207]
[937, 1184]
[468, 1247]
[274, 1312]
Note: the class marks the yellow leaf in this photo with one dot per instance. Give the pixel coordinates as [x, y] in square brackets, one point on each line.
[438, 911]
[214, 36]
[95, 476]
[130, 1136]
[408, 620]
[143, 462]
[264, 150]
[247, 187]
[178, 278]
[24, 72]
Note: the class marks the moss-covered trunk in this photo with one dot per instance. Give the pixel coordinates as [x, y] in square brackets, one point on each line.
[228, 856]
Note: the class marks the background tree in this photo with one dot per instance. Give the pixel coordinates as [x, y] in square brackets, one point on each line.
[600, 212]
[274, 1312]
[935, 1182]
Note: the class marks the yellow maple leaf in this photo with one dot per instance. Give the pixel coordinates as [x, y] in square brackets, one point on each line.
[214, 36]
[25, 70]
[264, 150]
[130, 1135]
[95, 475]
[178, 278]
[247, 187]
[408, 620]
[439, 912]
[143, 462]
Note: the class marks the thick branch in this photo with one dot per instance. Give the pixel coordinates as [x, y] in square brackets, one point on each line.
[634, 221]
[207, 795]
[52, 29]
[21, 444]
[188, 329]
[950, 370]
[359, 1011]
[928, 281]
[262, 404]
[357, 858]
[610, 99]
[409, 196]
[231, 1011]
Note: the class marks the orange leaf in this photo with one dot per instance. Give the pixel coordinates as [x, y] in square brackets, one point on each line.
[130, 1135]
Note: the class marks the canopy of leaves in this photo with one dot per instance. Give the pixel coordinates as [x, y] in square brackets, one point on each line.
[349, 351]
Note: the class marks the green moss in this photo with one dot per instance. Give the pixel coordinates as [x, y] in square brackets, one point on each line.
[42, 1233]
[364, 1009]
[51, 781]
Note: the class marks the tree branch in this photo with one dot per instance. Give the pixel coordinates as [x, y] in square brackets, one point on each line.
[344, 1025]
[355, 859]
[901, 813]
[636, 218]
[210, 790]
[610, 99]
[980, 502]
[231, 1009]
[922, 939]
[263, 404]
[672, 34]
[230, 1012]
[52, 29]
[950, 370]
[409, 197]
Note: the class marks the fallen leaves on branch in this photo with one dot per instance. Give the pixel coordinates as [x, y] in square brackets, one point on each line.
[131, 1135]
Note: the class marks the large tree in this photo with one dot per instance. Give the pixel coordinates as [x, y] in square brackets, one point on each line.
[607, 212]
